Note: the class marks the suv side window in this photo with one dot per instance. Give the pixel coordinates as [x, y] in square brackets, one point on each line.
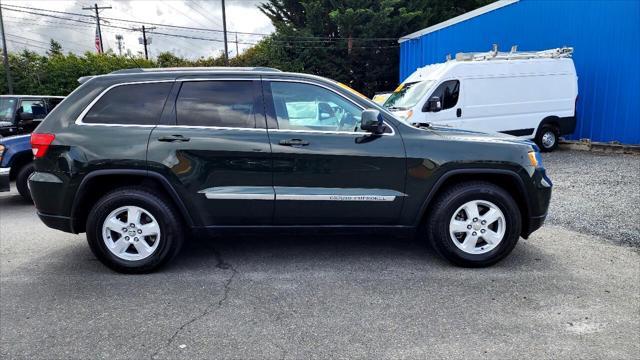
[217, 103]
[131, 104]
[301, 106]
[35, 107]
[448, 92]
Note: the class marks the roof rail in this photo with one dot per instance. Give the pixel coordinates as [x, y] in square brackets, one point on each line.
[514, 54]
[213, 68]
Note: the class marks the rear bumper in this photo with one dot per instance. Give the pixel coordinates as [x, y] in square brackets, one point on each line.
[4, 179]
[62, 223]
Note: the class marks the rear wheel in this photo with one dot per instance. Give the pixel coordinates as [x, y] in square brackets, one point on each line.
[474, 224]
[133, 230]
[22, 181]
[547, 138]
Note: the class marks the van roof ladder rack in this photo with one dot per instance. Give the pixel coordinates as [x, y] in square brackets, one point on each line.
[514, 54]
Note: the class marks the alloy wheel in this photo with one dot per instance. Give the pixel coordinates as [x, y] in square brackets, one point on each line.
[477, 227]
[131, 233]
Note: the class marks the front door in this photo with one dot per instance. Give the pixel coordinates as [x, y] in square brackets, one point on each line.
[451, 112]
[214, 148]
[326, 170]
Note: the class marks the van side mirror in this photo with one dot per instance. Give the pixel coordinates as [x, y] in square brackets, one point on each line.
[371, 121]
[434, 104]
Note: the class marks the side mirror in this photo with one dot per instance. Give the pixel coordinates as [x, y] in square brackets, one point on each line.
[434, 104]
[371, 121]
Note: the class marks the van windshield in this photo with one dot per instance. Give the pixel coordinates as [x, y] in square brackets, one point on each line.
[408, 95]
[7, 106]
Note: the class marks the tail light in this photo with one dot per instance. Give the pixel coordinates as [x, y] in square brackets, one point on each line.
[40, 143]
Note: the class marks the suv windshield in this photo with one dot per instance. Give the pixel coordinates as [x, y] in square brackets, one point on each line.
[7, 109]
[407, 96]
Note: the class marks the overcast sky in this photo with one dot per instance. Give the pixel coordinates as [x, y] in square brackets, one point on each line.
[33, 31]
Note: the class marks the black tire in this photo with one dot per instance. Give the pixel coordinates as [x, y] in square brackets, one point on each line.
[22, 181]
[437, 225]
[163, 211]
[552, 132]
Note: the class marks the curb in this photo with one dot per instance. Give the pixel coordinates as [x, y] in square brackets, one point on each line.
[588, 145]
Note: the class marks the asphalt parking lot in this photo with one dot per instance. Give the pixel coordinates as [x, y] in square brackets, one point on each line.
[571, 291]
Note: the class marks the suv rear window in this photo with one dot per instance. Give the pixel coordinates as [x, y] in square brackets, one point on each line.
[217, 103]
[132, 104]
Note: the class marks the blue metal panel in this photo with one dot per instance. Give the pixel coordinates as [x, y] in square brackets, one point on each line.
[606, 40]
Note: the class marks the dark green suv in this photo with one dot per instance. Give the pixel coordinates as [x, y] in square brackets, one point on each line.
[138, 159]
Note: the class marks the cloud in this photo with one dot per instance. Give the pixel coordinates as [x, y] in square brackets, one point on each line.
[34, 32]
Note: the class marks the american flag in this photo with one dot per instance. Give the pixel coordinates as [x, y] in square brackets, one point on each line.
[98, 47]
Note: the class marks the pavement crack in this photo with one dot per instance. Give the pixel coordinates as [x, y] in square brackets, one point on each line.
[220, 264]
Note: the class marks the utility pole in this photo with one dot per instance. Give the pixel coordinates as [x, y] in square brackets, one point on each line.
[237, 53]
[224, 28]
[119, 40]
[5, 56]
[96, 8]
[144, 41]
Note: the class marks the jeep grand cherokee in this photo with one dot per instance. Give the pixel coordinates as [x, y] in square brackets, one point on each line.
[138, 159]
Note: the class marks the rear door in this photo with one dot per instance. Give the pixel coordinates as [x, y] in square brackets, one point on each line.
[326, 170]
[214, 148]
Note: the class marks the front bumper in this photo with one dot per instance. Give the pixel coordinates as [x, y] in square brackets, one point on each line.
[4, 179]
[540, 197]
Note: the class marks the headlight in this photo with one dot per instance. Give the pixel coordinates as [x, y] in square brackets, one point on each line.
[535, 159]
[403, 114]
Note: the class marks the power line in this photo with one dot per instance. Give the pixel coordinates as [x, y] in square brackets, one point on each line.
[210, 30]
[286, 43]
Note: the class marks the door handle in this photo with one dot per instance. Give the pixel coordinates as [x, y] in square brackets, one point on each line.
[294, 142]
[459, 112]
[172, 138]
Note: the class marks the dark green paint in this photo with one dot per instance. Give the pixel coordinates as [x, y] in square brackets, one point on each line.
[413, 161]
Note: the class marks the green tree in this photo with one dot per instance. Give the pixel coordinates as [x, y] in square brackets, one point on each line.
[54, 48]
[352, 41]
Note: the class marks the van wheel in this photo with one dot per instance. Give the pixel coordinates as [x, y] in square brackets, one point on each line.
[474, 224]
[547, 138]
[22, 181]
[132, 230]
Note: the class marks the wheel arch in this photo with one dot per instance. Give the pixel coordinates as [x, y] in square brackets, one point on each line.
[549, 120]
[110, 179]
[18, 161]
[506, 179]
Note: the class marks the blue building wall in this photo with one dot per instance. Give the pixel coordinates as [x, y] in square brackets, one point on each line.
[606, 40]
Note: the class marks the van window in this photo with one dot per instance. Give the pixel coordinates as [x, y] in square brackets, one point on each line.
[35, 107]
[133, 104]
[407, 95]
[448, 92]
[301, 106]
[217, 103]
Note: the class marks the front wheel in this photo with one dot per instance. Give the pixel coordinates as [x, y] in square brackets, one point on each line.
[132, 230]
[547, 138]
[474, 224]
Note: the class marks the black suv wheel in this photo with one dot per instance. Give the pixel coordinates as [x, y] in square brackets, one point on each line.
[474, 224]
[133, 230]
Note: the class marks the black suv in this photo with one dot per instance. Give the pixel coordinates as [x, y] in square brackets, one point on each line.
[20, 114]
[139, 158]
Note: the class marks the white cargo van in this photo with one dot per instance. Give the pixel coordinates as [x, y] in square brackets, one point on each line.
[526, 94]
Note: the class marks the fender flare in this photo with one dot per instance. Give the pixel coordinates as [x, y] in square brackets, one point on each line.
[444, 177]
[130, 172]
